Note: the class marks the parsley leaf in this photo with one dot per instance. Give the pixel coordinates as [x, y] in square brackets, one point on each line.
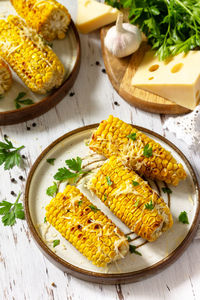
[93, 208]
[148, 151]
[45, 219]
[64, 173]
[105, 197]
[51, 161]
[149, 205]
[56, 243]
[74, 164]
[135, 183]
[132, 136]
[18, 100]
[167, 190]
[183, 217]
[11, 211]
[128, 238]
[109, 182]
[9, 155]
[80, 203]
[52, 190]
[132, 249]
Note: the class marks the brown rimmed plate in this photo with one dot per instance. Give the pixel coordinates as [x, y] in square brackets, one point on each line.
[69, 52]
[155, 256]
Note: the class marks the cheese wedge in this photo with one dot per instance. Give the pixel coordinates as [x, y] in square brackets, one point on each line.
[176, 79]
[93, 15]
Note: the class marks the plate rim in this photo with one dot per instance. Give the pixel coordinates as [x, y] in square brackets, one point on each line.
[113, 278]
[37, 109]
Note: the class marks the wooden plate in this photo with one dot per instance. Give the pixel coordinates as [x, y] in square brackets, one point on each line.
[155, 256]
[121, 71]
[69, 52]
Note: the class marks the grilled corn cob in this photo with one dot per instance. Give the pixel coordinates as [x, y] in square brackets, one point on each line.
[137, 151]
[33, 61]
[131, 199]
[86, 227]
[48, 18]
[5, 77]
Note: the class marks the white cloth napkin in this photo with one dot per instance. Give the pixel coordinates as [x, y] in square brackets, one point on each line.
[187, 128]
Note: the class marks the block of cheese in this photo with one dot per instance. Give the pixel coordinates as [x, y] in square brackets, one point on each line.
[93, 15]
[176, 79]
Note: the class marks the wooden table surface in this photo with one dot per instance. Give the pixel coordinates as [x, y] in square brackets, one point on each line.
[24, 272]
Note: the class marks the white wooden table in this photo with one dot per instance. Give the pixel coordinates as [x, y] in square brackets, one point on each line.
[24, 272]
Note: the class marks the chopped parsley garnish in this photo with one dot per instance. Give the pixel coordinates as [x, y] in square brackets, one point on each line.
[9, 155]
[51, 161]
[11, 211]
[149, 205]
[45, 219]
[148, 151]
[128, 238]
[18, 100]
[166, 190]
[135, 183]
[132, 136]
[56, 243]
[105, 197]
[136, 203]
[183, 218]
[93, 208]
[52, 190]
[132, 249]
[109, 182]
[80, 203]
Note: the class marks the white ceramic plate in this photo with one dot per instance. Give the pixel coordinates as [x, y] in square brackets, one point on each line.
[184, 197]
[68, 50]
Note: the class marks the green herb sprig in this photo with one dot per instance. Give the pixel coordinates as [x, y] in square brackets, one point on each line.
[183, 218]
[149, 205]
[11, 211]
[132, 136]
[132, 249]
[9, 155]
[109, 182]
[147, 151]
[74, 165]
[19, 101]
[52, 190]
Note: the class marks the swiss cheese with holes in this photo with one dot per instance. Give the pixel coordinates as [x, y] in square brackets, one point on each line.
[176, 79]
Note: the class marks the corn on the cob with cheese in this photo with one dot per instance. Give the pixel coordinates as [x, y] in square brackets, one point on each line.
[131, 199]
[33, 61]
[137, 151]
[5, 77]
[86, 227]
[49, 18]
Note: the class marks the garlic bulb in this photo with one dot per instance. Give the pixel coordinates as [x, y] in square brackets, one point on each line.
[123, 39]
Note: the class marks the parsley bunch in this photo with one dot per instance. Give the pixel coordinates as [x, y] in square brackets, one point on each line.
[11, 211]
[9, 155]
[171, 26]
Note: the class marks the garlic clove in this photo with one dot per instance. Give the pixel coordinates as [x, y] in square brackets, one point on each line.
[123, 39]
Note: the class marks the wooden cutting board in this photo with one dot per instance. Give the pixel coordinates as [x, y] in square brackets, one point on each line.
[120, 72]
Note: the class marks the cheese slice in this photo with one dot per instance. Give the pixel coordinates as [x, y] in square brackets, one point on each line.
[176, 79]
[93, 15]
